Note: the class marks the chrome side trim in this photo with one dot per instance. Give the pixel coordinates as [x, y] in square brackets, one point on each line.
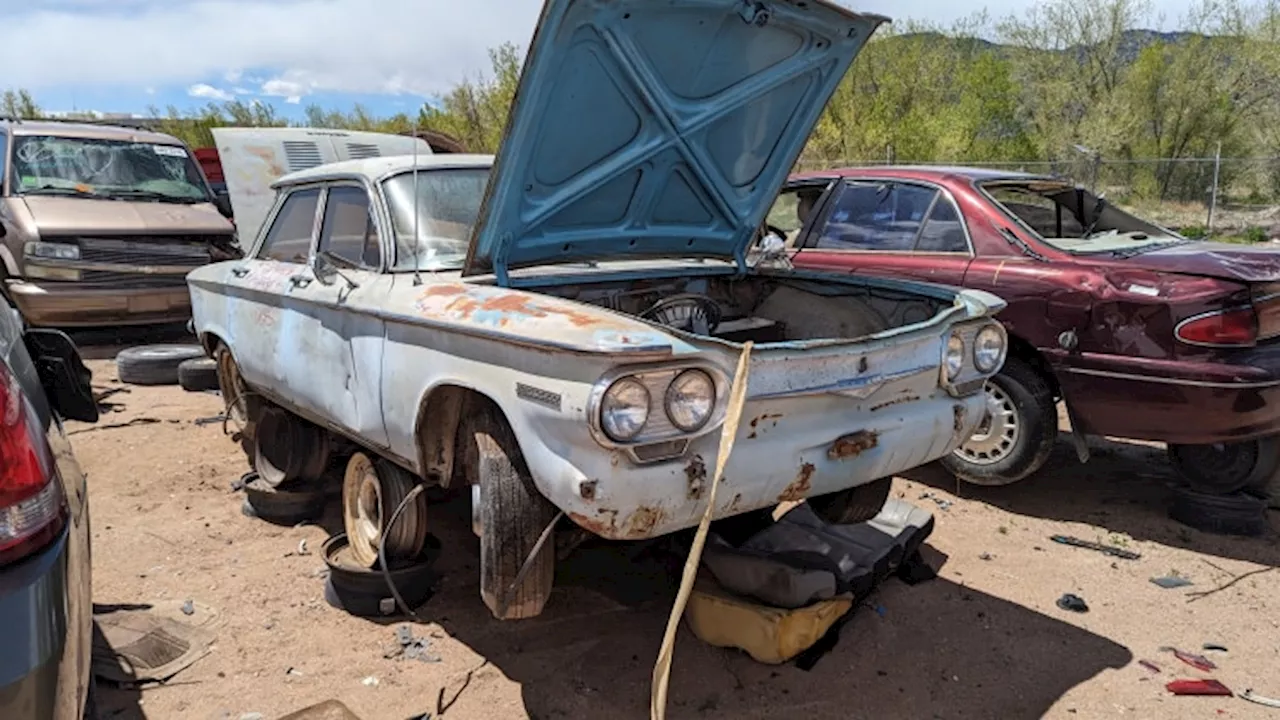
[1172, 381]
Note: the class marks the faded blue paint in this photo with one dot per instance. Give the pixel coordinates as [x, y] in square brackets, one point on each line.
[658, 129]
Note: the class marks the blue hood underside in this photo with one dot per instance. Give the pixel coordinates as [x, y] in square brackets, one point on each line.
[658, 128]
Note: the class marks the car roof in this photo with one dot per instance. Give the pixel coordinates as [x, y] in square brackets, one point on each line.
[373, 169]
[88, 131]
[929, 172]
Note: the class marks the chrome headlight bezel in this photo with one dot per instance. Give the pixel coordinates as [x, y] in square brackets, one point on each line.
[993, 361]
[953, 354]
[707, 398]
[641, 401]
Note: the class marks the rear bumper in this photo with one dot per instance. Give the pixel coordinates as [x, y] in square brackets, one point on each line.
[1175, 402]
[37, 677]
[74, 305]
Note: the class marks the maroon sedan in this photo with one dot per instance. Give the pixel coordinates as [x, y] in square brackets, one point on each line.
[1142, 333]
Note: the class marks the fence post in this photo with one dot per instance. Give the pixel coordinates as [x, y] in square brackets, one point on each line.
[1213, 190]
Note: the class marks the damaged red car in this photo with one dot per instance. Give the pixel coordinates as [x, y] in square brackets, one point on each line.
[1141, 333]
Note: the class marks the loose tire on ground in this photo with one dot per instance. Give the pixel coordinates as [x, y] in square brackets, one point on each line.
[1232, 514]
[854, 505]
[288, 504]
[1226, 468]
[513, 515]
[198, 375]
[154, 364]
[1018, 437]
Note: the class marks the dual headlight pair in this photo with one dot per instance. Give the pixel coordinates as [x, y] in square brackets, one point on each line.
[988, 350]
[626, 407]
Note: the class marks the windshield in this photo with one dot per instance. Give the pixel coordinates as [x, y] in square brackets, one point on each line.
[114, 169]
[1075, 220]
[447, 208]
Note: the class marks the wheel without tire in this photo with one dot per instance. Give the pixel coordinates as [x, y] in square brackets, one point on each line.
[154, 364]
[854, 505]
[198, 375]
[286, 447]
[1230, 514]
[1225, 468]
[1018, 433]
[371, 492]
[513, 515]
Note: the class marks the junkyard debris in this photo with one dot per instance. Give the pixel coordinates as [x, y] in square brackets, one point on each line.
[1198, 687]
[370, 681]
[189, 608]
[1198, 662]
[1105, 549]
[1213, 647]
[940, 502]
[1149, 665]
[1259, 699]
[410, 647]
[1169, 582]
[1074, 603]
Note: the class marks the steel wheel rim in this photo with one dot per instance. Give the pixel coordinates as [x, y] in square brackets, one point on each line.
[362, 510]
[996, 437]
[1219, 466]
[233, 390]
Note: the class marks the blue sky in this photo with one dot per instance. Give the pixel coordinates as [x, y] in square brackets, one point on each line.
[127, 55]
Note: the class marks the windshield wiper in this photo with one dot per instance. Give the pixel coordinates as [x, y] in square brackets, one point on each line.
[61, 190]
[153, 195]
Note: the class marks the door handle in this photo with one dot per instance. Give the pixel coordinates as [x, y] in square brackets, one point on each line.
[300, 281]
[239, 271]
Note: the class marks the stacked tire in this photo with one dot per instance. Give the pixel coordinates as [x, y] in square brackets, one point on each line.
[1227, 486]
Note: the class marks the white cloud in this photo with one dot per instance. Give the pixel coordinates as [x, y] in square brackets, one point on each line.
[393, 46]
[202, 90]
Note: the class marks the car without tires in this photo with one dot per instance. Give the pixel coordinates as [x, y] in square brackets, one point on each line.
[1142, 333]
[558, 329]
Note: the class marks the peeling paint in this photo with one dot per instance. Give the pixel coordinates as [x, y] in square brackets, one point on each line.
[736, 503]
[896, 401]
[800, 487]
[960, 415]
[643, 521]
[696, 474]
[853, 445]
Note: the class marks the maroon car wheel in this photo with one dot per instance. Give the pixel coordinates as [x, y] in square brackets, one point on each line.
[1226, 468]
[1017, 435]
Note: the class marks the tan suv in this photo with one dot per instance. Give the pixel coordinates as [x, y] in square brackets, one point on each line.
[99, 225]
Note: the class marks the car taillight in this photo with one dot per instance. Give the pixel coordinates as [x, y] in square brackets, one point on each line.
[32, 508]
[1237, 327]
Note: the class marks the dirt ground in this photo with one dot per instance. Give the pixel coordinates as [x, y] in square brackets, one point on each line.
[984, 640]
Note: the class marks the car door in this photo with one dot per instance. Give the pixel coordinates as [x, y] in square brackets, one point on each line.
[339, 346]
[260, 315]
[893, 228]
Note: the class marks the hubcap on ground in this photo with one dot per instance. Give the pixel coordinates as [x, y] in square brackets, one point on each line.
[998, 433]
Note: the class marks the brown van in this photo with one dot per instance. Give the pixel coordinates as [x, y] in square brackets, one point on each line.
[99, 225]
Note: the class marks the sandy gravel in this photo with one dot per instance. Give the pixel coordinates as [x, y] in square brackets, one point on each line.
[985, 640]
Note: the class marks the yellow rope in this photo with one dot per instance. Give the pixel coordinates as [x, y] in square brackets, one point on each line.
[662, 669]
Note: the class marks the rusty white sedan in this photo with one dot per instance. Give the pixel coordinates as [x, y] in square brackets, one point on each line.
[558, 328]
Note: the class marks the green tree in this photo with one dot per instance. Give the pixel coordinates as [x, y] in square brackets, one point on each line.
[19, 104]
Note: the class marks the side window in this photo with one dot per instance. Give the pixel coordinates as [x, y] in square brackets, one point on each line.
[4, 155]
[348, 230]
[289, 238]
[792, 209]
[1046, 217]
[883, 217]
[943, 232]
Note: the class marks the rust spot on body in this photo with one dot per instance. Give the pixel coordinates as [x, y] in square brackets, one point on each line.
[696, 474]
[604, 524]
[960, 415]
[443, 291]
[895, 401]
[800, 487]
[643, 521]
[853, 445]
[587, 489]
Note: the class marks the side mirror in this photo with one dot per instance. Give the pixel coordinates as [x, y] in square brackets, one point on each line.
[66, 380]
[222, 201]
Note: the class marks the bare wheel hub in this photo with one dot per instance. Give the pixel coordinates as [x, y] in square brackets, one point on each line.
[998, 433]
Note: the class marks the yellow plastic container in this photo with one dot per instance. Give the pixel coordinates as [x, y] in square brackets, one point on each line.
[770, 635]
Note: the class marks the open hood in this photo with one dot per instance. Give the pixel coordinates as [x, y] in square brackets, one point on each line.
[646, 128]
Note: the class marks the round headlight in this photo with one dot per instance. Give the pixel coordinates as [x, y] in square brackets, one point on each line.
[624, 409]
[690, 399]
[988, 349]
[953, 360]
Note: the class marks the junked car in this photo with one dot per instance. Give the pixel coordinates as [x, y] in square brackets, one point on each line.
[558, 327]
[99, 225]
[1142, 333]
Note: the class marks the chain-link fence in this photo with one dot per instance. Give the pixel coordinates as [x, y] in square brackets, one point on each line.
[1230, 198]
